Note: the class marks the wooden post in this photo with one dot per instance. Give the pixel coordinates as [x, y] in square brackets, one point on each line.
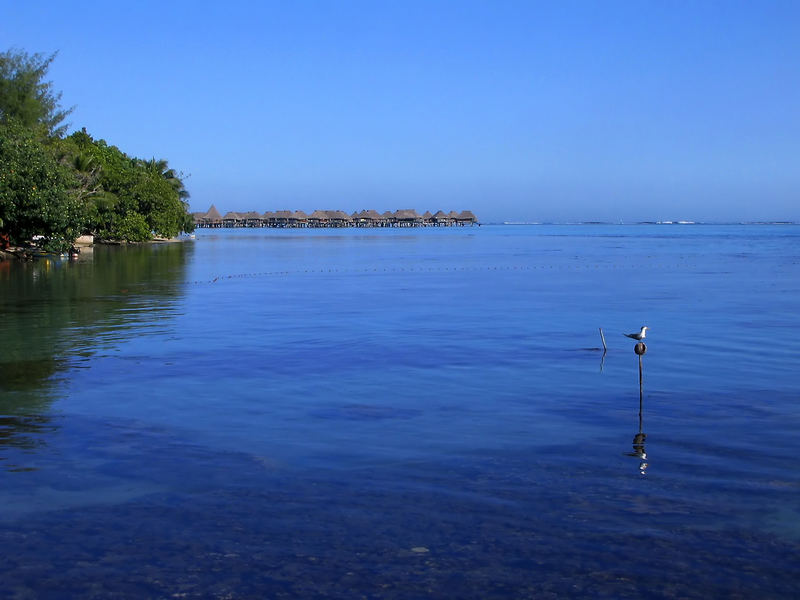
[640, 349]
[641, 395]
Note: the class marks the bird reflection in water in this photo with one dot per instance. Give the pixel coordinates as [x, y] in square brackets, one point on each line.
[638, 448]
[639, 439]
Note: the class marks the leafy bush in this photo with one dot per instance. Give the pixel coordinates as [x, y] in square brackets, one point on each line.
[34, 192]
[132, 227]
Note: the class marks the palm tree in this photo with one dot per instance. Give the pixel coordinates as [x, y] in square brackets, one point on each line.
[162, 168]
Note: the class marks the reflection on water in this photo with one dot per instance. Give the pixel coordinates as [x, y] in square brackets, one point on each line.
[639, 439]
[22, 432]
[56, 313]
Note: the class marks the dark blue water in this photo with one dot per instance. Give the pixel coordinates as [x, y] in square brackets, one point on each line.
[405, 414]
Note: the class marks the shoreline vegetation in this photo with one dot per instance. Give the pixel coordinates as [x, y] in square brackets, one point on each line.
[332, 218]
[57, 188]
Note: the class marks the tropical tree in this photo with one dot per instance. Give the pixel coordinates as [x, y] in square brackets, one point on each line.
[126, 196]
[161, 167]
[26, 96]
[53, 187]
[35, 202]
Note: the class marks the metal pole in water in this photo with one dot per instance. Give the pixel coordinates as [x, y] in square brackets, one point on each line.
[640, 349]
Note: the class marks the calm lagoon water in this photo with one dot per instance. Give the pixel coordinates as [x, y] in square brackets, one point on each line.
[405, 414]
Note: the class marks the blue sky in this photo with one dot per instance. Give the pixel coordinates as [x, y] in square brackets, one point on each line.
[538, 111]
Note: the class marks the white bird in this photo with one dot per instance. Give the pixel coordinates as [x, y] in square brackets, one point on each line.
[638, 336]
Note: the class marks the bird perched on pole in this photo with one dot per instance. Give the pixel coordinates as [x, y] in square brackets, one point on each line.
[638, 336]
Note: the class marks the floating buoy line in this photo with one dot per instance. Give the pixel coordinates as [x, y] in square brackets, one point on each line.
[422, 270]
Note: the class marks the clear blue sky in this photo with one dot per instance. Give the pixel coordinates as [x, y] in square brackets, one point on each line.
[545, 111]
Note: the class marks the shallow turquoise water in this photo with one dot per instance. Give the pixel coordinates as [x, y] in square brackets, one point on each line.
[422, 413]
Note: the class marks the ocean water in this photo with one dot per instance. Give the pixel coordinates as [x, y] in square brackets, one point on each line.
[405, 414]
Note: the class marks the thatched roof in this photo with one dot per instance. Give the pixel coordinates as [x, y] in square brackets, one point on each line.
[372, 215]
[441, 216]
[268, 215]
[299, 215]
[466, 215]
[213, 214]
[320, 215]
[232, 216]
[251, 215]
[388, 215]
[283, 214]
[453, 214]
[338, 215]
[427, 216]
[406, 214]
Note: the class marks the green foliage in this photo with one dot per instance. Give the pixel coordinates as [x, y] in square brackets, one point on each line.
[58, 187]
[26, 97]
[115, 185]
[34, 196]
[132, 227]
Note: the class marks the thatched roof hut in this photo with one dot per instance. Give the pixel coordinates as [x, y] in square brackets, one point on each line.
[213, 214]
[338, 218]
[370, 218]
[232, 219]
[212, 218]
[407, 217]
[441, 219]
[318, 218]
[466, 216]
[251, 219]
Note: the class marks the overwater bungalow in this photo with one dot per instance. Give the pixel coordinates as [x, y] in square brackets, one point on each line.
[369, 218]
[406, 217]
[441, 219]
[251, 219]
[211, 218]
[465, 217]
[339, 218]
[299, 219]
[232, 219]
[283, 218]
[318, 218]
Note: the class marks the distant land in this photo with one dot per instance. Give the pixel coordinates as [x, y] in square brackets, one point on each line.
[644, 223]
